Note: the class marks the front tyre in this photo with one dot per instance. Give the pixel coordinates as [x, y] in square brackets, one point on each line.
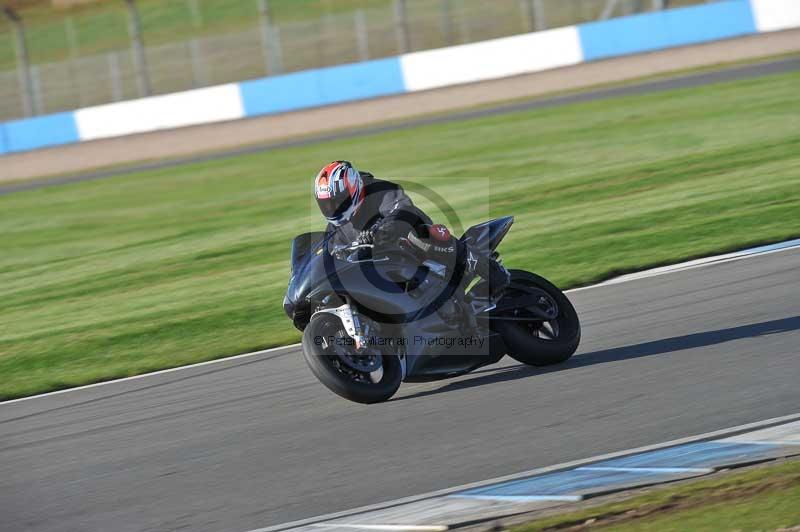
[538, 342]
[362, 377]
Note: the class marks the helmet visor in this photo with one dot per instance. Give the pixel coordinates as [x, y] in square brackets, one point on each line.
[336, 207]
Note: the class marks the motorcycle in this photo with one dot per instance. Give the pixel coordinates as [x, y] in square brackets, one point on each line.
[372, 319]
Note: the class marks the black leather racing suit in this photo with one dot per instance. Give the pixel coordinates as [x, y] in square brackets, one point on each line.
[388, 209]
[385, 204]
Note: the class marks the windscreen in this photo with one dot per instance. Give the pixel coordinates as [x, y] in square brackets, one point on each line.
[303, 244]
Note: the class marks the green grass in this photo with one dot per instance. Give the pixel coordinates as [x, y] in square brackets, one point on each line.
[117, 277]
[756, 500]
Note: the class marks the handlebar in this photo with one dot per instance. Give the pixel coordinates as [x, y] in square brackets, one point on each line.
[353, 246]
[403, 246]
[345, 252]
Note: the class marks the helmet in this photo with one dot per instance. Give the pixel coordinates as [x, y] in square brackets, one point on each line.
[339, 190]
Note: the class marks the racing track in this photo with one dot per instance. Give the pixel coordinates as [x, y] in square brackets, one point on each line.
[247, 443]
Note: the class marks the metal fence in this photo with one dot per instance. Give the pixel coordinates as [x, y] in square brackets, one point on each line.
[133, 67]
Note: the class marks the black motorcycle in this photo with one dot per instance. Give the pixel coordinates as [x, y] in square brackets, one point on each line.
[373, 318]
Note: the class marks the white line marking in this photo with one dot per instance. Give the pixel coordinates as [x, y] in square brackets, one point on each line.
[418, 528]
[666, 470]
[152, 374]
[717, 434]
[767, 442]
[788, 434]
[520, 498]
[699, 263]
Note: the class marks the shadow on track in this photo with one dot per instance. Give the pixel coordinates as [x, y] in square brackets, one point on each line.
[657, 347]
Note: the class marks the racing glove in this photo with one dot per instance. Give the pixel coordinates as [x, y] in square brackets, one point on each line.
[385, 233]
[366, 237]
[380, 234]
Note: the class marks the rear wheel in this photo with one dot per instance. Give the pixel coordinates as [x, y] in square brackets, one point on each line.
[367, 376]
[531, 339]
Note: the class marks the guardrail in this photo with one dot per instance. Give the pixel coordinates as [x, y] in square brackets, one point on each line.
[412, 72]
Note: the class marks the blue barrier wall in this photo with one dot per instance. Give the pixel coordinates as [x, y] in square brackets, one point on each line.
[666, 29]
[3, 141]
[324, 86]
[41, 131]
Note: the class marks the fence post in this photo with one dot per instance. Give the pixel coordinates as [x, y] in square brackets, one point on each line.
[466, 30]
[271, 40]
[72, 37]
[113, 76]
[527, 10]
[608, 10]
[23, 62]
[446, 17]
[139, 56]
[74, 52]
[196, 59]
[540, 22]
[634, 6]
[401, 26]
[327, 36]
[658, 5]
[362, 35]
[276, 48]
[199, 71]
[534, 13]
[38, 97]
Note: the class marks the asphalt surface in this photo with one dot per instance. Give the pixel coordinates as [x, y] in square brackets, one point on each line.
[257, 441]
[629, 89]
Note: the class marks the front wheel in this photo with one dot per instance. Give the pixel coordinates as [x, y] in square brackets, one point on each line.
[362, 377]
[530, 339]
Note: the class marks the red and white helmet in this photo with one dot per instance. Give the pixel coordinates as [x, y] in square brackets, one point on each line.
[339, 190]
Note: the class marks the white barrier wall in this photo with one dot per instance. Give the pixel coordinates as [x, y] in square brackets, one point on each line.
[498, 58]
[773, 15]
[200, 106]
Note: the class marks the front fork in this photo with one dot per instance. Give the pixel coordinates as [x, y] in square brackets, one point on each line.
[357, 329]
[352, 324]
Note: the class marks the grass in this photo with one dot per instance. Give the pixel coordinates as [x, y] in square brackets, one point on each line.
[121, 276]
[760, 499]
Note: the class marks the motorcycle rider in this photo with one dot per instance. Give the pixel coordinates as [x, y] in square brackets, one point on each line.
[360, 208]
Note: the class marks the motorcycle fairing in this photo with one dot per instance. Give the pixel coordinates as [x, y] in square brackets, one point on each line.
[304, 244]
[314, 277]
[488, 235]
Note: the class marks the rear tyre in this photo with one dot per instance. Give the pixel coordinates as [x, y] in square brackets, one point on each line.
[336, 365]
[538, 342]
